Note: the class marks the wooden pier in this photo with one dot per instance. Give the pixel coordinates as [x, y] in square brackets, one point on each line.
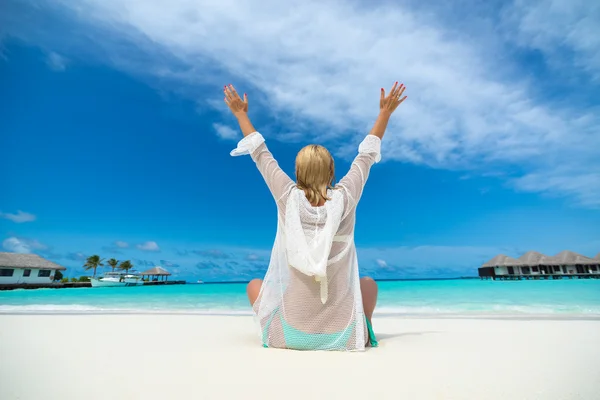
[155, 283]
[66, 285]
[538, 277]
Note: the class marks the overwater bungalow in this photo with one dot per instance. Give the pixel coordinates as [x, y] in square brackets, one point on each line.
[568, 262]
[535, 265]
[501, 265]
[531, 262]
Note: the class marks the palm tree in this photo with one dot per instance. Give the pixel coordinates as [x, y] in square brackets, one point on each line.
[113, 263]
[93, 262]
[126, 265]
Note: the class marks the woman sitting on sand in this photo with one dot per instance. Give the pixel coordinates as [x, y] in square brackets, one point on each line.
[311, 297]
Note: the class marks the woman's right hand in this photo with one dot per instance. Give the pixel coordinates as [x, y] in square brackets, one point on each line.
[237, 106]
[389, 103]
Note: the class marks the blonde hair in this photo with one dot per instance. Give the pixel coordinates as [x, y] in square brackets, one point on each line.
[315, 172]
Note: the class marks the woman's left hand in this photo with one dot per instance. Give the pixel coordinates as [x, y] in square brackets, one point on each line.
[235, 103]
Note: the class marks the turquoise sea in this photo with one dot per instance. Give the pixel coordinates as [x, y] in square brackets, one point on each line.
[447, 297]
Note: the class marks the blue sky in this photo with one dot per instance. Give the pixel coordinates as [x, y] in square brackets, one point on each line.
[115, 141]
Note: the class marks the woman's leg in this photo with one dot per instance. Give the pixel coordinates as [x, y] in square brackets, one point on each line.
[368, 288]
[253, 289]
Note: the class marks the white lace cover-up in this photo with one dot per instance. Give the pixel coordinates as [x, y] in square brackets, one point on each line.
[310, 297]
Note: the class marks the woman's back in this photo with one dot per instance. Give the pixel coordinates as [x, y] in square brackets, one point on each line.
[310, 298]
[301, 311]
[304, 298]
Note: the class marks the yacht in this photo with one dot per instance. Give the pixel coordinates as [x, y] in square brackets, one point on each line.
[117, 279]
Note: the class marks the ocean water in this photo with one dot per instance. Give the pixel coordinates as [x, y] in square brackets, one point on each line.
[410, 298]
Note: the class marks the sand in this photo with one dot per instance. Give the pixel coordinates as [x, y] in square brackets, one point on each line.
[46, 357]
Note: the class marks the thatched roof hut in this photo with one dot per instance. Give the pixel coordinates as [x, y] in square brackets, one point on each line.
[567, 257]
[502, 260]
[156, 271]
[29, 261]
[597, 256]
[531, 258]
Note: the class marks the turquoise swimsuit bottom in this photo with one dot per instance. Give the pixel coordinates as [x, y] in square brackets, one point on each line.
[298, 340]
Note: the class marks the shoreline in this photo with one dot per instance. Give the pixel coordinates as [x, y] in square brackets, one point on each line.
[382, 315]
[153, 356]
[74, 285]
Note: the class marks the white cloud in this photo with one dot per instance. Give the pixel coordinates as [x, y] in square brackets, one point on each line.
[586, 186]
[56, 62]
[226, 132]
[148, 246]
[168, 264]
[252, 257]
[553, 26]
[122, 245]
[471, 106]
[15, 245]
[291, 137]
[443, 261]
[426, 261]
[19, 217]
[79, 256]
[21, 245]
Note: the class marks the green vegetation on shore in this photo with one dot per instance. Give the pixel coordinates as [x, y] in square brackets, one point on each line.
[92, 263]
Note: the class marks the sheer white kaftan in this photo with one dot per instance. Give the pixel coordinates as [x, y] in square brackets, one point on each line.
[310, 297]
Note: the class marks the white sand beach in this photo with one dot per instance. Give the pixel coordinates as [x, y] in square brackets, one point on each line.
[44, 357]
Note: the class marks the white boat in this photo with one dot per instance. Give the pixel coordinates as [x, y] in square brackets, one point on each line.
[117, 279]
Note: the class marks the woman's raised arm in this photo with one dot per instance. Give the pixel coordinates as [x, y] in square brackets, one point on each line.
[387, 105]
[369, 151]
[253, 143]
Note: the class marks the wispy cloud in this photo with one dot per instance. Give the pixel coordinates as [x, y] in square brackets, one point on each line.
[168, 264]
[472, 106]
[112, 250]
[23, 245]
[56, 61]
[76, 257]
[585, 186]
[143, 263]
[425, 261]
[576, 44]
[226, 132]
[15, 245]
[19, 217]
[253, 257]
[387, 262]
[212, 253]
[116, 247]
[202, 265]
[148, 246]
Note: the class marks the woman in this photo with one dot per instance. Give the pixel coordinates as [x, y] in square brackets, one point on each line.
[311, 297]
